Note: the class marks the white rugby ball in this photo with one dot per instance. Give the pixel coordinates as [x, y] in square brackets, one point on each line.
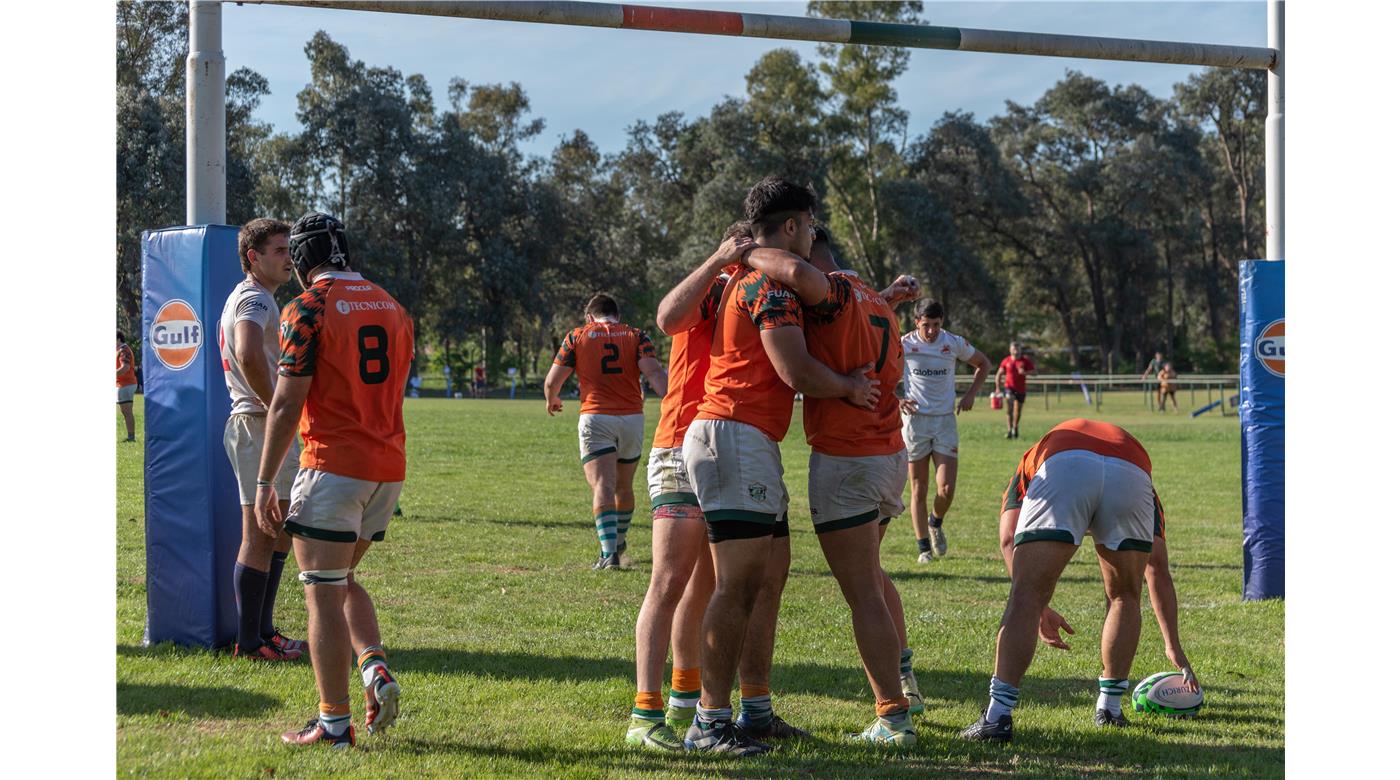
[1166, 693]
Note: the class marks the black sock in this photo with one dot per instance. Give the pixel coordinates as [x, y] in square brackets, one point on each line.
[249, 586]
[935, 522]
[274, 578]
[925, 545]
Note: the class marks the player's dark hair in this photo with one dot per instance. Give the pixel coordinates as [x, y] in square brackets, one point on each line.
[740, 229]
[255, 234]
[601, 305]
[823, 236]
[773, 201]
[928, 308]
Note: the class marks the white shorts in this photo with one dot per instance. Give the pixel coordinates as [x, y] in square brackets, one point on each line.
[667, 480]
[333, 508]
[846, 492]
[1077, 492]
[925, 434]
[126, 394]
[243, 441]
[601, 434]
[737, 472]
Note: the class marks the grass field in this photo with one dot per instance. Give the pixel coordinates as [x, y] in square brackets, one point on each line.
[516, 660]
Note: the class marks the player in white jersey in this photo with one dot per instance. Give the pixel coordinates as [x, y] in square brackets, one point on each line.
[249, 348]
[929, 405]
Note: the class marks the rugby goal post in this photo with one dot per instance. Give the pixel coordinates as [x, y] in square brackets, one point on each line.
[1261, 282]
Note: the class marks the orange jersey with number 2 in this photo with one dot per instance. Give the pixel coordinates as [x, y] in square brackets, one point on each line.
[605, 355]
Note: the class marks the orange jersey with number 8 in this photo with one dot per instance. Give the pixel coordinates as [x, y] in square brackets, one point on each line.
[605, 355]
[356, 343]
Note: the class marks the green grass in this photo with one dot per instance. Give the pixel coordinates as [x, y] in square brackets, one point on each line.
[516, 660]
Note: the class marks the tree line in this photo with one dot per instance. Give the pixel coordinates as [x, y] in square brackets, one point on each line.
[1098, 224]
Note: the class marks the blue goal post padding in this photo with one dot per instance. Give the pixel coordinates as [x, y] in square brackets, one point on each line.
[1261, 426]
[193, 521]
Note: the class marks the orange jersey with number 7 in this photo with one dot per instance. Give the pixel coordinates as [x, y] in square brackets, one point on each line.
[852, 327]
[605, 355]
[356, 343]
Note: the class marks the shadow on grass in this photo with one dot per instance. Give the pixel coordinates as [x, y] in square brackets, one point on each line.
[1044, 754]
[927, 575]
[193, 700]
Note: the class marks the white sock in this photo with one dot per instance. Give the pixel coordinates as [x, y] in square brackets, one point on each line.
[367, 673]
[1111, 695]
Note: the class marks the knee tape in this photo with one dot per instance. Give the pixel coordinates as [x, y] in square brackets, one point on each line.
[324, 577]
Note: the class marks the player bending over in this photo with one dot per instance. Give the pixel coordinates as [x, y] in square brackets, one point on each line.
[346, 349]
[248, 344]
[1083, 477]
[682, 577]
[930, 408]
[731, 455]
[609, 358]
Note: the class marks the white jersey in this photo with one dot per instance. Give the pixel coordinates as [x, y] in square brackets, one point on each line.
[248, 301]
[929, 370]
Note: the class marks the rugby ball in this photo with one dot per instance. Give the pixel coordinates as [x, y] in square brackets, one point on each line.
[1166, 693]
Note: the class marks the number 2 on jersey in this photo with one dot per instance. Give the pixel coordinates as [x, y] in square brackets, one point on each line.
[609, 363]
[884, 325]
[378, 352]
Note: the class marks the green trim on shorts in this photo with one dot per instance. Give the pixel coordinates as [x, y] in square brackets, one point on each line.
[848, 522]
[379, 537]
[1043, 535]
[629, 460]
[297, 529]
[1134, 545]
[886, 521]
[720, 515]
[664, 499]
[598, 454]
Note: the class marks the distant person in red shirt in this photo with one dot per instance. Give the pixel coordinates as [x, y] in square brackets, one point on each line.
[479, 380]
[126, 384]
[1015, 368]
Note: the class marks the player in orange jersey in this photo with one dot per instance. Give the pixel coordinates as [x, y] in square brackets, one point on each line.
[1083, 477]
[126, 384]
[609, 357]
[757, 361]
[682, 577]
[857, 472]
[346, 350]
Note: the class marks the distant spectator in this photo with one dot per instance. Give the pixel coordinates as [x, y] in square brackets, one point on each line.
[479, 380]
[1166, 387]
[126, 384]
[1015, 368]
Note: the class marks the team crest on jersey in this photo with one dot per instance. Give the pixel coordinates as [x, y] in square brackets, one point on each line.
[946, 349]
[176, 334]
[758, 491]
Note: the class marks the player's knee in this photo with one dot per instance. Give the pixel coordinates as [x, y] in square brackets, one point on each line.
[946, 492]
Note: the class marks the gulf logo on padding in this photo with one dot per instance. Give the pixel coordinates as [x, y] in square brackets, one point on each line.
[176, 334]
[1268, 348]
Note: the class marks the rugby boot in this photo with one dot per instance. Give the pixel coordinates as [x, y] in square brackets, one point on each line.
[381, 700]
[986, 731]
[775, 728]
[885, 731]
[679, 718]
[607, 562]
[653, 734]
[267, 652]
[285, 642]
[722, 737]
[910, 688]
[314, 733]
[1103, 717]
[940, 542]
[925, 557]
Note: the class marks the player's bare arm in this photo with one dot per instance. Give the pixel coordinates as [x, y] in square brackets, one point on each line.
[1162, 591]
[1050, 621]
[787, 348]
[651, 369]
[791, 271]
[247, 350]
[981, 365]
[125, 364]
[679, 311]
[282, 416]
[553, 383]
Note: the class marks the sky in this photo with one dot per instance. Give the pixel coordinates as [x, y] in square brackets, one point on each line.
[604, 80]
